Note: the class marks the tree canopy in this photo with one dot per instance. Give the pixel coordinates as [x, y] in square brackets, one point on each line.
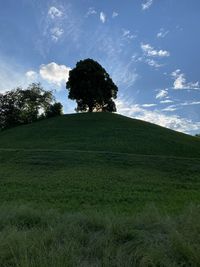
[21, 106]
[91, 86]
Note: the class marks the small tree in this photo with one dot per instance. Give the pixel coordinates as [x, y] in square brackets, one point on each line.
[25, 106]
[10, 108]
[54, 110]
[34, 102]
[91, 86]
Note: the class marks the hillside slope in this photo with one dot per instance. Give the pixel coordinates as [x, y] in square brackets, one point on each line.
[100, 132]
[98, 162]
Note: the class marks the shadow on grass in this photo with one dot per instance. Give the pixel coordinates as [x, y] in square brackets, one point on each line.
[37, 238]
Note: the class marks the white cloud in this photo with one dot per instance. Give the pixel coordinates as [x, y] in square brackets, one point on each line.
[56, 33]
[147, 4]
[102, 17]
[115, 14]
[162, 93]
[148, 105]
[31, 74]
[170, 121]
[190, 103]
[151, 52]
[170, 108]
[54, 12]
[167, 101]
[54, 73]
[162, 33]
[91, 11]
[181, 83]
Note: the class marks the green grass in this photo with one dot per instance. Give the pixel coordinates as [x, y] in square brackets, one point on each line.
[101, 132]
[103, 169]
[42, 238]
[77, 181]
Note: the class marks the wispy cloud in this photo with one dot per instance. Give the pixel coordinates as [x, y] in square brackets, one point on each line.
[147, 4]
[153, 63]
[177, 106]
[162, 33]
[56, 33]
[60, 23]
[162, 94]
[124, 75]
[149, 55]
[54, 12]
[115, 14]
[149, 51]
[173, 122]
[190, 103]
[148, 105]
[127, 34]
[52, 24]
[91, 11]
[166, 101]
[102, 17]
[113, 56]
[170, 108]
[181, 83]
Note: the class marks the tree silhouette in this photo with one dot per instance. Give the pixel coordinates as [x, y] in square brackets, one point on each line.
[91, 86]
[25, 106]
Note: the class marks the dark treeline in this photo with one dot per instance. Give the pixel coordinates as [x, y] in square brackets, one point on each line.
[22, 106]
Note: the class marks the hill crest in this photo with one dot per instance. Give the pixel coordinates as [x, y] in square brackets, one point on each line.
[100, 132]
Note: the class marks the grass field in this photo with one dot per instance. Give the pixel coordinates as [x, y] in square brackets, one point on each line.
[46, 238]
[121, 192]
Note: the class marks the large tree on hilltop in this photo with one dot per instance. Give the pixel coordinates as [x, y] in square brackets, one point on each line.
[91, 86]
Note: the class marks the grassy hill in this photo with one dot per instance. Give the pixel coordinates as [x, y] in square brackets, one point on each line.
[98, 161]
[102, 132]
[105, 183]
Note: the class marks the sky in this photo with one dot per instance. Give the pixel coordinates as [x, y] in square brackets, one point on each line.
[150, 48]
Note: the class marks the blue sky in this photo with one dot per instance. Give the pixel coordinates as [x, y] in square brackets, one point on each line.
[150, 48]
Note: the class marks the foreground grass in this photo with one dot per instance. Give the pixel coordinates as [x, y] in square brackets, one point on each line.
[34, 238]
[119, 183]
[74, 189]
